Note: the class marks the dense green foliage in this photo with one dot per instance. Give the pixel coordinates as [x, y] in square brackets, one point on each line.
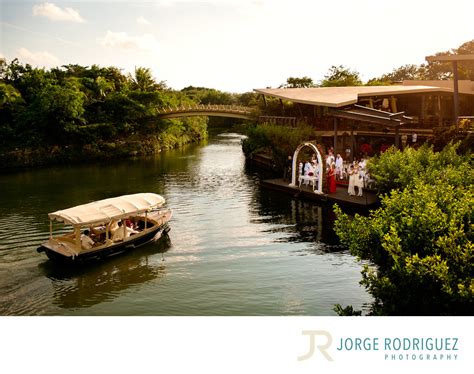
[78, 105]
[276, 140]
[339, 76]
[396, 169]
[303, 82]
[420, 239]
[91, 112]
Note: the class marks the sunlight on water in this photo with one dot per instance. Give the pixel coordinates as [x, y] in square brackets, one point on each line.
[233, 249]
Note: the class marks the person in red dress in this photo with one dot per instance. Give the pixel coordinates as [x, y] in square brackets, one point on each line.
[332, 179]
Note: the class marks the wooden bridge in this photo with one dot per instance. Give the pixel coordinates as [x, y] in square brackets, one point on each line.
[232, 111]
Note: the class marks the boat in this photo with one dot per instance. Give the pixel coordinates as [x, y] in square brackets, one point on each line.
[107, 227]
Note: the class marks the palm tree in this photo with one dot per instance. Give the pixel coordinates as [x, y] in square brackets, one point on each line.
[9, 96]
[143, 80]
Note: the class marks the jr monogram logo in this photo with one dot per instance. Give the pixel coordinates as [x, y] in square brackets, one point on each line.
[312, 343]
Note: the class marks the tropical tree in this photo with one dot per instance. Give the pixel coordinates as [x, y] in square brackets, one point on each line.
[53, 114]
[339, 76]
[406, 72]
[432, 70]
[9, 96]
[143, 79]
[249, 99]
[303, 82]
[11, 103]
[103, 86]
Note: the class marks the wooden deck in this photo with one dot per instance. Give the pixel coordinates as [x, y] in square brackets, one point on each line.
[368, 200]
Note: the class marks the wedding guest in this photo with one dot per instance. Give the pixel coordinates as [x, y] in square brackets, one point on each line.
[358, 181]
[362, 168]
[352, 176]
[329, 160]
[307, 167]
[332, 179]
[339, 167]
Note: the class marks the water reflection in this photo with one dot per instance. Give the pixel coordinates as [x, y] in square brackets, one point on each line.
[237, 249]
[98, 282]
[296, 220]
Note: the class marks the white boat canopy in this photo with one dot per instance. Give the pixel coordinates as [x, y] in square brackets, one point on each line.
[104, 211]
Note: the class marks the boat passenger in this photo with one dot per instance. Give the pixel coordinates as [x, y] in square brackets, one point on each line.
[86, 240]
[113, 225]
[120, 234]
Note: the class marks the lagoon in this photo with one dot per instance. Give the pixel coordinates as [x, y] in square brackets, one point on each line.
[233, 249]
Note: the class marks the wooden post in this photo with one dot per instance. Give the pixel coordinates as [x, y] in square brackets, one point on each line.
[352, 142]
[77, 233]
[423, 109]
[393, 104]
[397, 137]
[299, 108]
[335, 135]
[146, 217]
[282, 107]
[50, 229]
[439, 111]
[456, 94]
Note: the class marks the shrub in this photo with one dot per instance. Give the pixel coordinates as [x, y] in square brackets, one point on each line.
[280, 140]
[420, 240]
[396, 169]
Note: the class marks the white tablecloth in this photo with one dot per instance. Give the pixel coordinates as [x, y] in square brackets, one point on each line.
[306, 179]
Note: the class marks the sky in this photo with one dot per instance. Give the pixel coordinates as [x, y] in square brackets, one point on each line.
[233, 45]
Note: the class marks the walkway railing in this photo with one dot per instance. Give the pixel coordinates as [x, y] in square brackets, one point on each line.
[231, 109]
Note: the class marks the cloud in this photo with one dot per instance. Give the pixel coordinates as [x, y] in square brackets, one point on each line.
[44, 58]
[143, 21]
[124, 41]
[56, 13]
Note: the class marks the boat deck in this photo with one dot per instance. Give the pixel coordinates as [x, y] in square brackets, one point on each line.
[368, 200]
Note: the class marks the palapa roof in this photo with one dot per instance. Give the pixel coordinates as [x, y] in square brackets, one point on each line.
[104, 211]
[336, 97]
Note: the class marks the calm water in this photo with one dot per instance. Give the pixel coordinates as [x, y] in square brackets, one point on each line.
[233, 249]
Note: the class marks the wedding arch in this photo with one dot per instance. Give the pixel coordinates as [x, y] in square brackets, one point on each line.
[319, 166]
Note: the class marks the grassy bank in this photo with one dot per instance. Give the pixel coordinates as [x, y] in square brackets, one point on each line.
[99, 150]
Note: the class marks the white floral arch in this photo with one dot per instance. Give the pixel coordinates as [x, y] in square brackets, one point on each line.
[319, 166]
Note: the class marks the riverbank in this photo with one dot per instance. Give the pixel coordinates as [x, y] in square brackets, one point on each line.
[142, 145]
[235, 248]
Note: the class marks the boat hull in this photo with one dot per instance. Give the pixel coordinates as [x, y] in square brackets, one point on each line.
[153, 235]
